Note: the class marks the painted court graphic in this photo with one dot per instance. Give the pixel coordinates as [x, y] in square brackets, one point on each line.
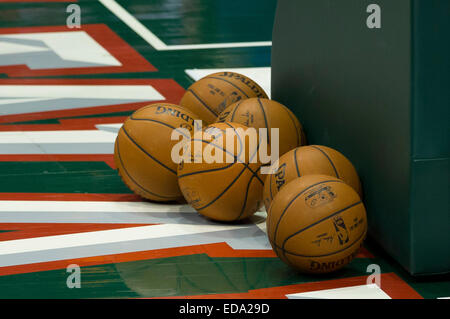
[70, 224]
[39, 51]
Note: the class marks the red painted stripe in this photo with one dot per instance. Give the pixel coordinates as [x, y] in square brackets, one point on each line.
[168, 88]
[130, 59]
[364, 253]
[106, 158]
[71, 197]
[38, 1]
[33, 230]
[391, 284]
[213, 249]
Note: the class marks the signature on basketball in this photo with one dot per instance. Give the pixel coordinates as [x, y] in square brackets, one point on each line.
[192, 197]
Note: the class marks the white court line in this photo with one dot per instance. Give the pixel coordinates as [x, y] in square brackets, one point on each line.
[28, 245]
[56, 137]
[159, 45]
[117, 92]
[89, 206]
[354, 292]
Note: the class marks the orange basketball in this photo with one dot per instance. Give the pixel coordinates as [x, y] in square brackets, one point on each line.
[230, 187]
[212, 94]
[310, 160]
[316, 224]
[265, 113]
[143, 148]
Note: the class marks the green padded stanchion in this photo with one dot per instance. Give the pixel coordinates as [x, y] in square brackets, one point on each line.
[372, 80]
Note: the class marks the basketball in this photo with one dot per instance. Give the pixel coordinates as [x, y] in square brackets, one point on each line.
[142, 151]
[265, 113]
[316, 224]
[209, 96]
[310, 160]
[230, 188]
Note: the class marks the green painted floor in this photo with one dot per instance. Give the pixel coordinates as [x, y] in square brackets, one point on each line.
[171, 272]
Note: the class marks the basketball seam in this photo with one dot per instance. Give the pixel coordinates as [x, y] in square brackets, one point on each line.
[134, 181]
[159, 122]
[223, 192]
[245, 197]
[202, 102]
[329, 159]
[234, 156]
[148, 154]
[229, 82]
[237, 135]
[295, 161]
[218, 147]
[319, 221]
[216, 169]
[251, 157]
[206, 171]
[235, 110]
[295, 198]
[324, 255]
[265, 120]
[260, 89]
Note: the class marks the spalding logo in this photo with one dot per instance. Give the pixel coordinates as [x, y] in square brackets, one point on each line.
[177, 113]
[327, 266]
[246, 81]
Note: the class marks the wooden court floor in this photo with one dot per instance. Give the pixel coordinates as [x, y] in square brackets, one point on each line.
[69, 227]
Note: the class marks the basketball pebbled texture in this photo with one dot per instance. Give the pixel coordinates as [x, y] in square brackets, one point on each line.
[310, 160]
[209, 96]
[223, 191]
[316, 224]
[142, 150]
[265, 113]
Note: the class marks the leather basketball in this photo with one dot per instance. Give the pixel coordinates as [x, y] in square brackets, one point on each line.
[143, 148]
[310, 160]
[209, 96]
[265, 113]
[226, 189]
[316, 224]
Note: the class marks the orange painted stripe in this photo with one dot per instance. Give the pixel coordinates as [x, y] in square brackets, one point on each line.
[68, 124]
[130, 59]
[33, 230]
[212, 250]
[168, 88]
[71, 197]
[364, 253]
[106, 158]
[391, 284]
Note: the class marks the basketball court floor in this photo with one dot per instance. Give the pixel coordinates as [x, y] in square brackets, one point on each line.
[69, 227]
